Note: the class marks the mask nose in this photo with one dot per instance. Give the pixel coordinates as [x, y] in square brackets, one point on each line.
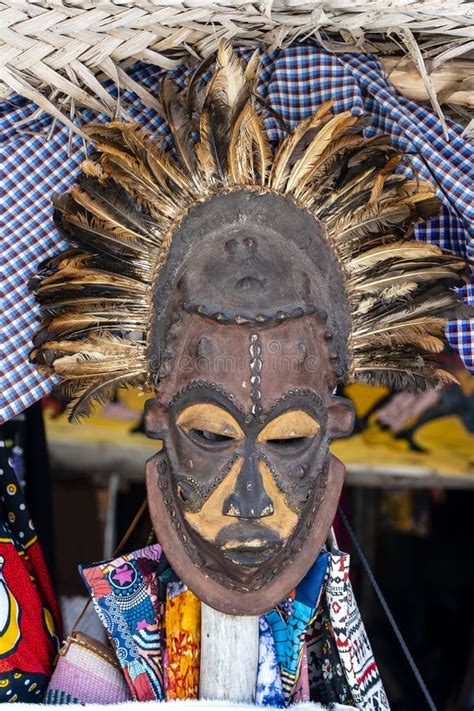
[249, 498]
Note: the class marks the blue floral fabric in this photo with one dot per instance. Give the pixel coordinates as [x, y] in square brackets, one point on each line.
[269, 690]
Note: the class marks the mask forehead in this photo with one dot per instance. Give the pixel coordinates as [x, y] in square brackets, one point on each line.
[245, 258]
[255, 367]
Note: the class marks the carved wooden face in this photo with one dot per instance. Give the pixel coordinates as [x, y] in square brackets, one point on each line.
[245, 490]
[248, 340]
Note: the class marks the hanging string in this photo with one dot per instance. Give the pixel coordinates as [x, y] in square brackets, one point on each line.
[386, 609]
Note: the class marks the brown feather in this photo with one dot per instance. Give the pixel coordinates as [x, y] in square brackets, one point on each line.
[399, 250]
[427, 342]
[240, 159]
[310, 161]
[328, 168]
[249, 153]
[280, 168]
[110, 223]
[377, 188]
[92, 169]
[68, 326]
[180, 124]
[226, 96]
[261, 146]
[417, 327]
[91, 364]
[100, 392]
[192, 102]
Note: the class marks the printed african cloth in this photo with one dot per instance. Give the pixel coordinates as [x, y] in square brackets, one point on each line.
[153, 621]
[37, 159]
[30, 627]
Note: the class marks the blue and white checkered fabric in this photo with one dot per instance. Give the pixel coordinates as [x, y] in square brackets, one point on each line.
[294, 82]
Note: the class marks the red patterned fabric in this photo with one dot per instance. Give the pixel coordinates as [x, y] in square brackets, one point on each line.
[30, 625]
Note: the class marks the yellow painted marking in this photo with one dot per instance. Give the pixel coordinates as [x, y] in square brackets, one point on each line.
[290, 425]
[283, 520]
[209, 418]
[210, 520]
[251, 543]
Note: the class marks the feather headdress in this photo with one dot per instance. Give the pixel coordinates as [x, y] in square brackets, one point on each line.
[121, 217]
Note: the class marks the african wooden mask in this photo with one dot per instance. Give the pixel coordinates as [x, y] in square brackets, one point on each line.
[243, 283]
[244, 486]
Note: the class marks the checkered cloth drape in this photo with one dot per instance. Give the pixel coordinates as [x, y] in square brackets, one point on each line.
[294, 82]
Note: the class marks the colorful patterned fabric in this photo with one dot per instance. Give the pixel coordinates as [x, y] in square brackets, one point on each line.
[355, 652]
[153, 621]
[269, 691]
[307, 647]
[327, 681]
[302, 692]
[290, 622]
[30, 624]
[126, 596]
[183, 643]
[294, 82]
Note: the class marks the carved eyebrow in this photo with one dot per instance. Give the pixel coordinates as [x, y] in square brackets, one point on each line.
[210, 388]
[290, 396]
[236, 409]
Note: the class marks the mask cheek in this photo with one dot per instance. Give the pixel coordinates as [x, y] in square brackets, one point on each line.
[284, 519]
[196, 478]
[298, 476]
[189, 493]
[209, 520]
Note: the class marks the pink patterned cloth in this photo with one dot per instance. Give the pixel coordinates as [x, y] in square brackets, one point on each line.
[85, 675]
[302, 692]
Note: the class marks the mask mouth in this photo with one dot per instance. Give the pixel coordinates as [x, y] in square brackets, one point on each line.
[249, 544]
[250, 555]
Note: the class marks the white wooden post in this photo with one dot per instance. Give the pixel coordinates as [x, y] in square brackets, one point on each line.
[229, 656]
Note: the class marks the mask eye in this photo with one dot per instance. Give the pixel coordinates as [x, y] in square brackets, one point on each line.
[289, 430]
[288, 442]
[209, 424]
[207, 437]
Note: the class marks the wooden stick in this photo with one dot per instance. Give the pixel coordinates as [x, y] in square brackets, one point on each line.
[229, 656]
